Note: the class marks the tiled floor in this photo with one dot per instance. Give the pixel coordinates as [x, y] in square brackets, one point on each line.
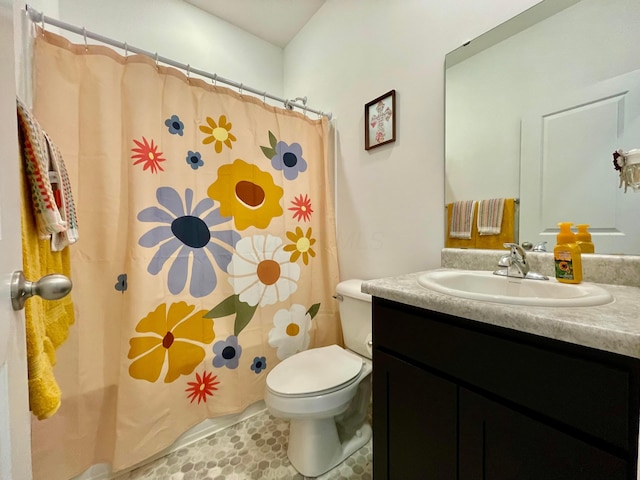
[251, 450]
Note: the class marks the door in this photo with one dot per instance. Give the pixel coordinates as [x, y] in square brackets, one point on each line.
[15, 448]
[414, 419]
[498, 443]
[567, 173]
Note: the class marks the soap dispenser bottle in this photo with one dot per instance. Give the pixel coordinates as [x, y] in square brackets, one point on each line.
[567, 256]
[583, 238]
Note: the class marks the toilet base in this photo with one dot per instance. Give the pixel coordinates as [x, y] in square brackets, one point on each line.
[315, 447]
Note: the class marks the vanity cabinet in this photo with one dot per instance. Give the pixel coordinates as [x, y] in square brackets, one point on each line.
[463, 400]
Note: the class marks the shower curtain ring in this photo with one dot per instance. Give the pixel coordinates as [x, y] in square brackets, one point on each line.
[264, 97]
[42, 24]
[214, 79]
[126, 50]
[188, 71]
[84, 34]
[305, 109]
[241, 89]
[156, 60]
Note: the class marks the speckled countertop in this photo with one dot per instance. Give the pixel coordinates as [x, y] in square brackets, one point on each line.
[614, 327]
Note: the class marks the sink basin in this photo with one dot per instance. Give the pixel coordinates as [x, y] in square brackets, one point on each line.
[485, 286]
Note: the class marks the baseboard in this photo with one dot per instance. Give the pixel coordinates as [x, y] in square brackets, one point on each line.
[102, 471]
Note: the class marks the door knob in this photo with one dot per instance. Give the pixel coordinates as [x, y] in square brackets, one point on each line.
[49, 287]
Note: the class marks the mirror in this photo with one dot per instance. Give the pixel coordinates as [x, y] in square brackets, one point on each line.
[535, 109]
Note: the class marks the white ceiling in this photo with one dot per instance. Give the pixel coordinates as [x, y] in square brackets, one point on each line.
[276, 21]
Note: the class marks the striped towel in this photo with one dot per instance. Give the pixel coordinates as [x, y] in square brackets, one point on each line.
[490, 216]
[64, 199]
[36, 163]
[53, 208]
[462, 219]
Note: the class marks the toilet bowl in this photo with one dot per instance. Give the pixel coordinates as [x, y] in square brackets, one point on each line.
[325, 392]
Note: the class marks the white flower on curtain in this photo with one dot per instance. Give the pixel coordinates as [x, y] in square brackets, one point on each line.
[261, 272]
[290, 333]
[192, 236]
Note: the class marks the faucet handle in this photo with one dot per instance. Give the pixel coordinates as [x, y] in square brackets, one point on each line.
[540, 247]
[515, 249]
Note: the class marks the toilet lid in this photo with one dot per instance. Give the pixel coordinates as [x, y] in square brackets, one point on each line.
[314, 370]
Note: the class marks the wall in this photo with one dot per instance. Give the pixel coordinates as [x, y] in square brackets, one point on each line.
[179, 31]
[391, 198]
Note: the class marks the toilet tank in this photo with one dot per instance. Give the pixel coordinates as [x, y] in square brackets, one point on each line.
[355, 316]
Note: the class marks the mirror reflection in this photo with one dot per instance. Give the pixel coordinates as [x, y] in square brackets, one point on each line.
[535, 109]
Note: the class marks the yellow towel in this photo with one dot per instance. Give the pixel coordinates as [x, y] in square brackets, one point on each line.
[47, 322]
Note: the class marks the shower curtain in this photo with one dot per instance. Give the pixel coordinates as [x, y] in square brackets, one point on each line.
[207, 251]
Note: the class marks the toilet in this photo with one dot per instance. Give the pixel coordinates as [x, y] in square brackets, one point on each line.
[325, 392]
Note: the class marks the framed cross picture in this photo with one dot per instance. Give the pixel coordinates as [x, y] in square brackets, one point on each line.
[380, 121]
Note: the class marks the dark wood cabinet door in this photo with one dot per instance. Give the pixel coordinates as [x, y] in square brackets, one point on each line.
[497, 443]
[414, 420]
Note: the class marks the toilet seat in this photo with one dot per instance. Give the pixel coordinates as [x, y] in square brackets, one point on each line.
[315, 371]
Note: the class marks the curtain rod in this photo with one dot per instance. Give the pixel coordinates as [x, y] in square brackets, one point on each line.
[39, 17]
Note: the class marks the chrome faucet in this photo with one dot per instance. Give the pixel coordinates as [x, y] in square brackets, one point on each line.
[516, 264]
[516, 261]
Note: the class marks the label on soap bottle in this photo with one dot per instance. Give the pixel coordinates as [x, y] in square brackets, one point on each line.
[564, 265]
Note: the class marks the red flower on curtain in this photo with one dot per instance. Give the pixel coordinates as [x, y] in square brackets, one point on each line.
[301, 208]
[148, 155]
[202, 387]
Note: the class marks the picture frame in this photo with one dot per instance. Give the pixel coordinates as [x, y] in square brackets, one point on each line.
[380, 121]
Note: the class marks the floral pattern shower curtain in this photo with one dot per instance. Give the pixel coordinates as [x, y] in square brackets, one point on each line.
[207, 251]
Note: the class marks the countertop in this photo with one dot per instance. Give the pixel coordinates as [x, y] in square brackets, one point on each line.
[614, 327]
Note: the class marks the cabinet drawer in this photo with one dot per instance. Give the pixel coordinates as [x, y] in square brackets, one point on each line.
[570, 387]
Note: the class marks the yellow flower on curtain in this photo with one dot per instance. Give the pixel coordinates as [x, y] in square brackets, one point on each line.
[247, 194]
[219, 133]
[301, 245]
[172, 339]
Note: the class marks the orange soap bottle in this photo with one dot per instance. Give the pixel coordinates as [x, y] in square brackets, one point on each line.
[567, 255]
[583, 238]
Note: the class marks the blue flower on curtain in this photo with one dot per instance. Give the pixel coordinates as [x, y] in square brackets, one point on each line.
[288, 158]
[194, 160]
[285, 158]
[191, 233]
[227, 352]
[259, 364]
[121, 284]
[176, 127]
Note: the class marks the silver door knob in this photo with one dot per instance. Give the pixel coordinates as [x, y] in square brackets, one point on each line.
[49, 287]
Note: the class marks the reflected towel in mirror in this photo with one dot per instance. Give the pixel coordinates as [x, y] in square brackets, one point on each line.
[462, 219]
